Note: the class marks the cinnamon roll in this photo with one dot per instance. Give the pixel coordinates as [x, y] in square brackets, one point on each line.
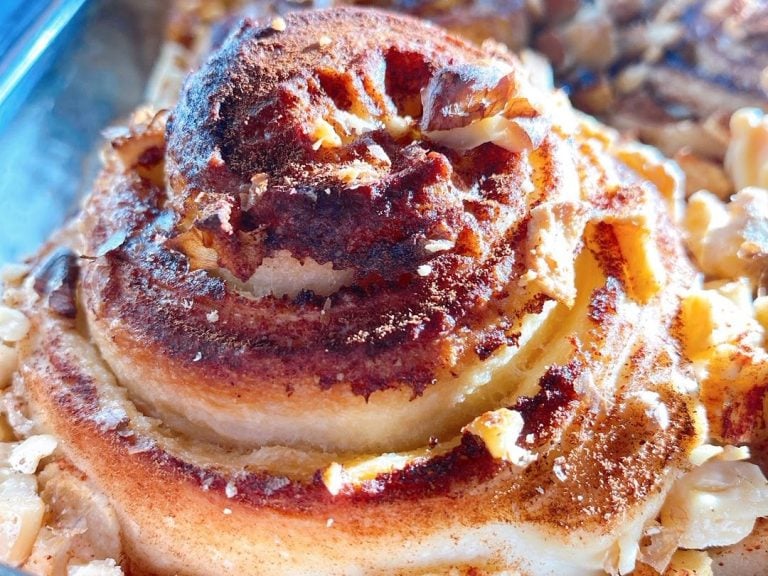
[366, 301]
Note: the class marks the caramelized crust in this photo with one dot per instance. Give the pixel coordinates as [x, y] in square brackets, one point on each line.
[312, 308]
[434, 242]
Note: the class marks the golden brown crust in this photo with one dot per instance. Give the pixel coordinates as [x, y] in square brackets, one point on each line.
[503, 264]
[150, 479]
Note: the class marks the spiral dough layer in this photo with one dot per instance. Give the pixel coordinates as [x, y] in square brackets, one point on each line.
[368, 302]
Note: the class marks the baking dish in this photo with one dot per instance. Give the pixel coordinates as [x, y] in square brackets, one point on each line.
[68, 69]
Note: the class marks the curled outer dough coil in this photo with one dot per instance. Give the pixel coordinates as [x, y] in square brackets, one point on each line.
[368, 302]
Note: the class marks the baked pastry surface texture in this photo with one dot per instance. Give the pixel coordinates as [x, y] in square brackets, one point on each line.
[367, 301]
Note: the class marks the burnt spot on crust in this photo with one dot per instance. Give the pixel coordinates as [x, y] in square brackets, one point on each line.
[56, 279]
[559, 390]
[491, 342]
[73, 391]
[378, 228]
[467, 464]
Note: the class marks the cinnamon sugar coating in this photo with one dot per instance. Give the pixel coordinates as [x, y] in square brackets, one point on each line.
[459, 248]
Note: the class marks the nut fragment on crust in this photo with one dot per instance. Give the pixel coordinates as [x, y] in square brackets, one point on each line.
[357, 173]
[708, 319]
[499, 430]
[466, 106]
[333, 478]
[621, 558]
[141, 146]
[646, 273]
[721, 333]
[323, 135]
[339, 477]
[259, 183]
[513, 134]
[21, 508]
[554, 234]
[282, 274]
[432, 246]
[707, 452]
[192, 243]
[278, 24]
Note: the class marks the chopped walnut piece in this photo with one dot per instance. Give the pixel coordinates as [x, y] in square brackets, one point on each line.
[499, 430]
[555, 233]
[21, 508]
[13, 324]
[701, 174]
[747, 156]
[716, 504]
[729, 240]
[21, 516]
[466, 106]
[81, 534]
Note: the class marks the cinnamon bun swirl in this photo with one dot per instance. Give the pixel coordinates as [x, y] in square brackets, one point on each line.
[366, 301]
